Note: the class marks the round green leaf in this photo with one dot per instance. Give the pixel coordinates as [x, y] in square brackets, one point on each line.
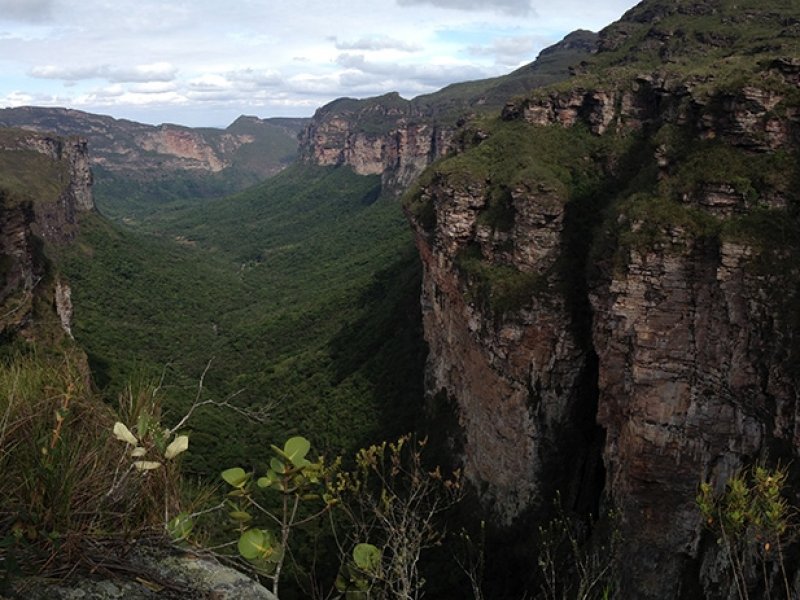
[235, 477]
[296, 449]
[254, 543]
[277, 465]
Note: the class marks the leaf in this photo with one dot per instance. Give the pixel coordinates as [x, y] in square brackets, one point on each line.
[123, 434]
[264, 482]
[340, 583]
[138, 452]
[367, 558]
[255, 543]
[296, 449]
[178, 445]
[240, 516]
[235, 477]
[180, 526]
[146, 465]
[277, 466]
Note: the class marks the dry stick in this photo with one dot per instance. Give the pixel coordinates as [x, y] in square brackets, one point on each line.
[736, 567]
[258, 416]
[783, 567]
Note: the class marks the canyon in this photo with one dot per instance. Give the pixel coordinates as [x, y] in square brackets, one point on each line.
[606, 320]
[610, 270]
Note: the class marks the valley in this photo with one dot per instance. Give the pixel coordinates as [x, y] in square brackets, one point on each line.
[578, 283]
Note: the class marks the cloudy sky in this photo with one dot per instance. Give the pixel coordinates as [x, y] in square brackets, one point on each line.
[204, 62]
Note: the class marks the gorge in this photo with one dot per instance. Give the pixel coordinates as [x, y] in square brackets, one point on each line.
[609, 252]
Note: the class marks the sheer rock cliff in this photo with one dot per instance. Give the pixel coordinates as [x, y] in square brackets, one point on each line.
[610, 291]
[678, 317]
[48, 183]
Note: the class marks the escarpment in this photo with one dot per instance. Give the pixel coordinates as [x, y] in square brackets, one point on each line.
[611, 292]
[386, 136]
[398, 138]
[46, 183]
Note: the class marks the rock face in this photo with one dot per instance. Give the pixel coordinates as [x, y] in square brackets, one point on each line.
[398, 138]
[128, 147]
[518, 379]
[618, 323]
[150, 573]
[135, 163]
[398, 155]
[47, 185]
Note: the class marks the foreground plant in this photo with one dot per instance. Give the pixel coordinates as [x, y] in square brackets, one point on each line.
[753, 522]
[296, 481]
[393, 505]
[65, 495]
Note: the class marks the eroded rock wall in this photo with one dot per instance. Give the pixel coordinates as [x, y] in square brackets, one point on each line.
[694, 345]
[31, 219]
[399, 153]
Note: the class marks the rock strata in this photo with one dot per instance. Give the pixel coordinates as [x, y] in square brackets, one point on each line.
[679, 347]
[53, 186]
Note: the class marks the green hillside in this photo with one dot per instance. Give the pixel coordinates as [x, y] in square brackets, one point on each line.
[302, 293]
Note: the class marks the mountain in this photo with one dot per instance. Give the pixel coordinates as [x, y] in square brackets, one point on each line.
[610, 291]
[609, 296]
[398, 138]
[137, 167]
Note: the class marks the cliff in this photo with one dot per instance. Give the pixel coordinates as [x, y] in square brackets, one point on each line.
[45, 183]
[398, 138]
[137, 166]
[610, 286]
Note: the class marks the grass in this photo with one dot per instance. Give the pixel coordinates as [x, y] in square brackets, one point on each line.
[497, 288]
[67, 483]
[27, 174]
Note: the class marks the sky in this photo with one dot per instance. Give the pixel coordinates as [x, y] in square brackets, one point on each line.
[205, 62]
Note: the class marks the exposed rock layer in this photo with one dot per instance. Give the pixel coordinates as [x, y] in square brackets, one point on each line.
[695, 351]
[45, 213]
[398, 138]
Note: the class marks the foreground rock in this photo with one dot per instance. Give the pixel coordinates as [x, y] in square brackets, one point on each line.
[148, 574]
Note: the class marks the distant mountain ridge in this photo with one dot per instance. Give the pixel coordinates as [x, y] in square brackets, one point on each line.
[137, 166]
[398, 138]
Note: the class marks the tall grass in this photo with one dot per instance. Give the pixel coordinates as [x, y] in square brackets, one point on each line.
[66, 481]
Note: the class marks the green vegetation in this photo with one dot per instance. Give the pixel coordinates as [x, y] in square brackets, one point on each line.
[754, 522]
[298, 481]
[729, 38]
[302, 292]
[497, 288]
[27, 174]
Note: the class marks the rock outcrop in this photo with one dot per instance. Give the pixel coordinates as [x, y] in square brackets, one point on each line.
[47, 185]
[606, 321]
[137, 164]
[122, 146]
[399, 153]
[398, 138]
[148, 573]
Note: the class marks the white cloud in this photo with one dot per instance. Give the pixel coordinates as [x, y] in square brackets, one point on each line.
[512, 7]
[161, 71]
[378, 42]
[510, 51]
[138, 57]
[426, 75]
[255, 78]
